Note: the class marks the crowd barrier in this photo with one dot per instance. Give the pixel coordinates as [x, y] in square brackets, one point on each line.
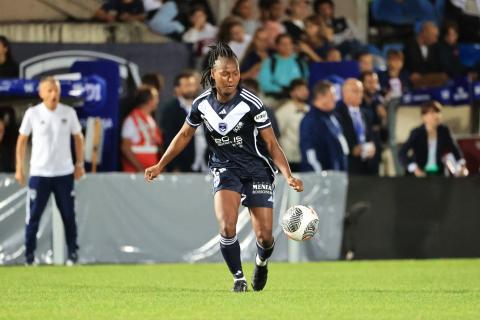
[122, 219]
[408, 217]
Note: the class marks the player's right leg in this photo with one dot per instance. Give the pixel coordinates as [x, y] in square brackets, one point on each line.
[227, 203]
[39, 189]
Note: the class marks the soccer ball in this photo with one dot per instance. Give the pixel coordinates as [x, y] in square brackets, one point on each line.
[300, 223]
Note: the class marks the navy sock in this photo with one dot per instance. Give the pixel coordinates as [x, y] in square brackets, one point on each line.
[230, 249]
[264, 253]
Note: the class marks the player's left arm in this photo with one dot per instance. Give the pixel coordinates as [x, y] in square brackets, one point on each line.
[76, 131]
[79, 151]
[279, 158]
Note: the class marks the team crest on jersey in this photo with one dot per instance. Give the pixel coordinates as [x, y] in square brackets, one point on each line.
[222, 126]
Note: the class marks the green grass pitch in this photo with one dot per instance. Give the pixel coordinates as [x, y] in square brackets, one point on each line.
[430, 289]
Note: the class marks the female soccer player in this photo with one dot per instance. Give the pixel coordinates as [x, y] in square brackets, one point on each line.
[241, 163]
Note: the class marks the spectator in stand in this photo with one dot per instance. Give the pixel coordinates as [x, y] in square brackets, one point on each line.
[231, 31]
[357, 129]
[8, 138]
[271, 14]
[422, 58]
[289, 116]
[201, 33]
[7, 163]
[185, 10]
[281, 68]
[316, 40]
[365, 62]
[374, 106]
[322, 142]
[297, 11]
[255, 54]
[373, 102]
[431, 145]
[128, 103]
[467, 14]
[253, 86]
[394, 81]
[121, 11]
[334, 55]
[245, 11]
[187, 86]
[141, 138]
[156, 81]
[449, 51]
[345, 34]
[162, 18]
[8, 66]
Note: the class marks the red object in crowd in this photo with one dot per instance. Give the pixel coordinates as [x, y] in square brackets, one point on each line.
[146, 150]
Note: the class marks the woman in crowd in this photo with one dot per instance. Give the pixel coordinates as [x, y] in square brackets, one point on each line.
[317, 39]
[231, 31]
[256, 52]
[244, 10]
[8, 66]
[431, 145]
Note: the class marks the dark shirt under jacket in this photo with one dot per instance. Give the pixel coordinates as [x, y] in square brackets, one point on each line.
[450, 60]
[173, 118]
[356, 165]
[9, 69]
[415, 62]
[415, 149]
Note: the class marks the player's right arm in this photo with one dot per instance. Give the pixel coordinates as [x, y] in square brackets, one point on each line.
[177, 145]
[20, 158]
[24, 132]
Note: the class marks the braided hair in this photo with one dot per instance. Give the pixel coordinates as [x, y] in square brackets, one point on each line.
[218, 50]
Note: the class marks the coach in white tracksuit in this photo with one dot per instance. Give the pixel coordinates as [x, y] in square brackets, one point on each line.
[52, 125]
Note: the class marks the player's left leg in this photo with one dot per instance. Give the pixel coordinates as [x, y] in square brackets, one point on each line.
[262, 222]
[63, 189]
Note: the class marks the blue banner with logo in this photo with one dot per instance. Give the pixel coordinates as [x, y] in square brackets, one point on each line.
[103, 104]
[89, 89]
[459, 92]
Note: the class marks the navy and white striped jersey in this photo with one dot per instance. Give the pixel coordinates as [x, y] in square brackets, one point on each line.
[232, 130]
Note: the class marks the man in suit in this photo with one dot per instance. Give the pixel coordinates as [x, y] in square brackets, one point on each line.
[357, 129]
[422, 57]
[173, 117]
[322, 143]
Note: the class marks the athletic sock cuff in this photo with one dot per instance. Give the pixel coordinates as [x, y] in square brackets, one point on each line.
[266, 249]
[228, 241]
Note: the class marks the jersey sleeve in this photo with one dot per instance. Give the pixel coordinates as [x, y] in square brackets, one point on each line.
[260, 117]
[194, 117]
[26, 126]
[257, 110]
[76, 128]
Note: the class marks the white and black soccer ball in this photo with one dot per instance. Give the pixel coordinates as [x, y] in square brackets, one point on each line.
[300, 223]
